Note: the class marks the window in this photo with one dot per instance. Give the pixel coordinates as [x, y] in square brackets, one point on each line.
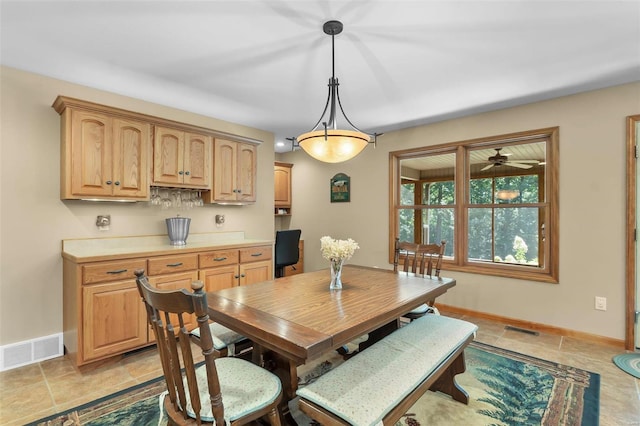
[493, 200]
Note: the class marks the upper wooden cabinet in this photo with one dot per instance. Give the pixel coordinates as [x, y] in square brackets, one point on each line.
[181, 158]
[103, 155]
[282, 185]
[111, 153]
[234, 172]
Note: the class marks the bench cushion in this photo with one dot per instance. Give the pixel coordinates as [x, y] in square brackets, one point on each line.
[365, 388]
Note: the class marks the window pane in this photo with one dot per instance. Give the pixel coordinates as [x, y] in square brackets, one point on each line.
[514, 238]
[517, 189]
[438, 225]
[516, 235]
[407, 221]
[438, 193]
[407, 194]
[480, 235]
[481, 191]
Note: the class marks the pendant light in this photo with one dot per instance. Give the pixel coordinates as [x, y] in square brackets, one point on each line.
[326, 142]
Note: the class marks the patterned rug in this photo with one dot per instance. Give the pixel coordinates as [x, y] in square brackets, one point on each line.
[505, 388]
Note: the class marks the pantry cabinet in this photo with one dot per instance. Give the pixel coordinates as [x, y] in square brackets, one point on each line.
[282, 187]
[104, 156]
[234, 172]
[181, 158]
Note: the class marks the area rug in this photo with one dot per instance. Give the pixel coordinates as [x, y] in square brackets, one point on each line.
[505, 388]
[629, 363]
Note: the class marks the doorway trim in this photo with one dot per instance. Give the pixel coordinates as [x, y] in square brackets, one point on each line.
[632, 122]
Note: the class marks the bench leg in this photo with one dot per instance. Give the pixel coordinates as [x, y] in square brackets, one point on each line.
[446, 383]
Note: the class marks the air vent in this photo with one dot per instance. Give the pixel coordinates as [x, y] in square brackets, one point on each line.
[521, 330]
[30, 351]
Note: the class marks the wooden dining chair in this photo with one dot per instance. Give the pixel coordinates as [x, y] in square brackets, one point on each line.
[420, 259]
[220, 391]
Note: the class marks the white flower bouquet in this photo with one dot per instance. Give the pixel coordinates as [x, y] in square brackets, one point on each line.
[337, 249]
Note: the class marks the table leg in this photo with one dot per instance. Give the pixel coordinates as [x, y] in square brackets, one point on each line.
[287, 371]
[379, 334]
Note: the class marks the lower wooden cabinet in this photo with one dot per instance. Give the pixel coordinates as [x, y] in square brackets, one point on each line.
[103, 314]
[115, 320]
[228, 268]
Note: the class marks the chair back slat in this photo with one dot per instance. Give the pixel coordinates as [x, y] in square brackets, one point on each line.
[167, 311]
[421, 259]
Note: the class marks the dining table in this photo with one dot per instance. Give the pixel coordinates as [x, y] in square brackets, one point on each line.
[296, 319]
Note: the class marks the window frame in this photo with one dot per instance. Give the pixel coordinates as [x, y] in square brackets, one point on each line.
[550, 271]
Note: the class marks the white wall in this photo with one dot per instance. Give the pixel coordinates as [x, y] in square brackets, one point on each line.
[592, 209]
[33, 220]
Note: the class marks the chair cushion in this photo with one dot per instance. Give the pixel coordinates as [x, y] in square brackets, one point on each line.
[222, 336]
[245, 388]
[365, 388]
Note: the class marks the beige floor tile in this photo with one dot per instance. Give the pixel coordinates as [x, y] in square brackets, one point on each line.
[22, 376]
[24, 399]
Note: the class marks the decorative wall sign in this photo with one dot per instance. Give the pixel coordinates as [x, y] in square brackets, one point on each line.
[340, 188]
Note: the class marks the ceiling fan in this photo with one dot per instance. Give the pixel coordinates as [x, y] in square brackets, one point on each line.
[503, 160]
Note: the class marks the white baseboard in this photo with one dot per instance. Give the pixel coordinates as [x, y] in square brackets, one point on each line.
[31, 351]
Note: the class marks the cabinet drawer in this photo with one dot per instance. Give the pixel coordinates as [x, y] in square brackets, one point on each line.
[218, 258]
[253, 254]
[174, 263]
[111, 271]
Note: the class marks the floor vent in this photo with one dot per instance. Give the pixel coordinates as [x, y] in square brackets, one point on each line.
[30, 351]
[521, 330]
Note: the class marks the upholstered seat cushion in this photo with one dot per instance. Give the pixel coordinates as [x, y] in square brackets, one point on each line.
[365, 388]
[245, 388]
[222, 336]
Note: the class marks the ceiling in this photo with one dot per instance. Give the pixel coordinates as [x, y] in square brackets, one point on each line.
[267, 63]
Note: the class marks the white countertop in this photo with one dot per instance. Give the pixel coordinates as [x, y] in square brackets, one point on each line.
[93, 249]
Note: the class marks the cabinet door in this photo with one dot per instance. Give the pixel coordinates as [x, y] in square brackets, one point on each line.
[197, 160]
[177, 282]
[255, 272]
[114, 319]
[282, 186]
[130, 147]
[220, 278]
[224, 170]
[91, 154]
[247, 167]
[168, 150]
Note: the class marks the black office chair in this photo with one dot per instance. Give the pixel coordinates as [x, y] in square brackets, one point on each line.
[287, 252]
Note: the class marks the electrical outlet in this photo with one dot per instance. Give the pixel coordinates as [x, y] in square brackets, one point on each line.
[601, 303]
[219, 219]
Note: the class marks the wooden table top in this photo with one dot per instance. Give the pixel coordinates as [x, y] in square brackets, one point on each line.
[300, 318]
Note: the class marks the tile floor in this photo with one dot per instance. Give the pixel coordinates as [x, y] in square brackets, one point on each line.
[38, 390]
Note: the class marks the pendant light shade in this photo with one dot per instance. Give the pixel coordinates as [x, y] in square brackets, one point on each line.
[335, 146]
[328, 143]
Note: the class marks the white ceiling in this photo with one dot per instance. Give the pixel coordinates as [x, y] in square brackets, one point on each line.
[267, 63]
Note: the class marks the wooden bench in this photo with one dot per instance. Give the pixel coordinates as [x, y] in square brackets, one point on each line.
[379, 385]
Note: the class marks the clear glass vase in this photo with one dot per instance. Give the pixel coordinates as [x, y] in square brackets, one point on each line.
[336, 274]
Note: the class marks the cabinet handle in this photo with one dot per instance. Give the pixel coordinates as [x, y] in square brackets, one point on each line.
[109, 182]
[219, 259]
[117, 271]
[180, 172]
[187, 173]
[242, 275]
[173, 265]
[236, 276]
[256, 254]
[117, 183]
